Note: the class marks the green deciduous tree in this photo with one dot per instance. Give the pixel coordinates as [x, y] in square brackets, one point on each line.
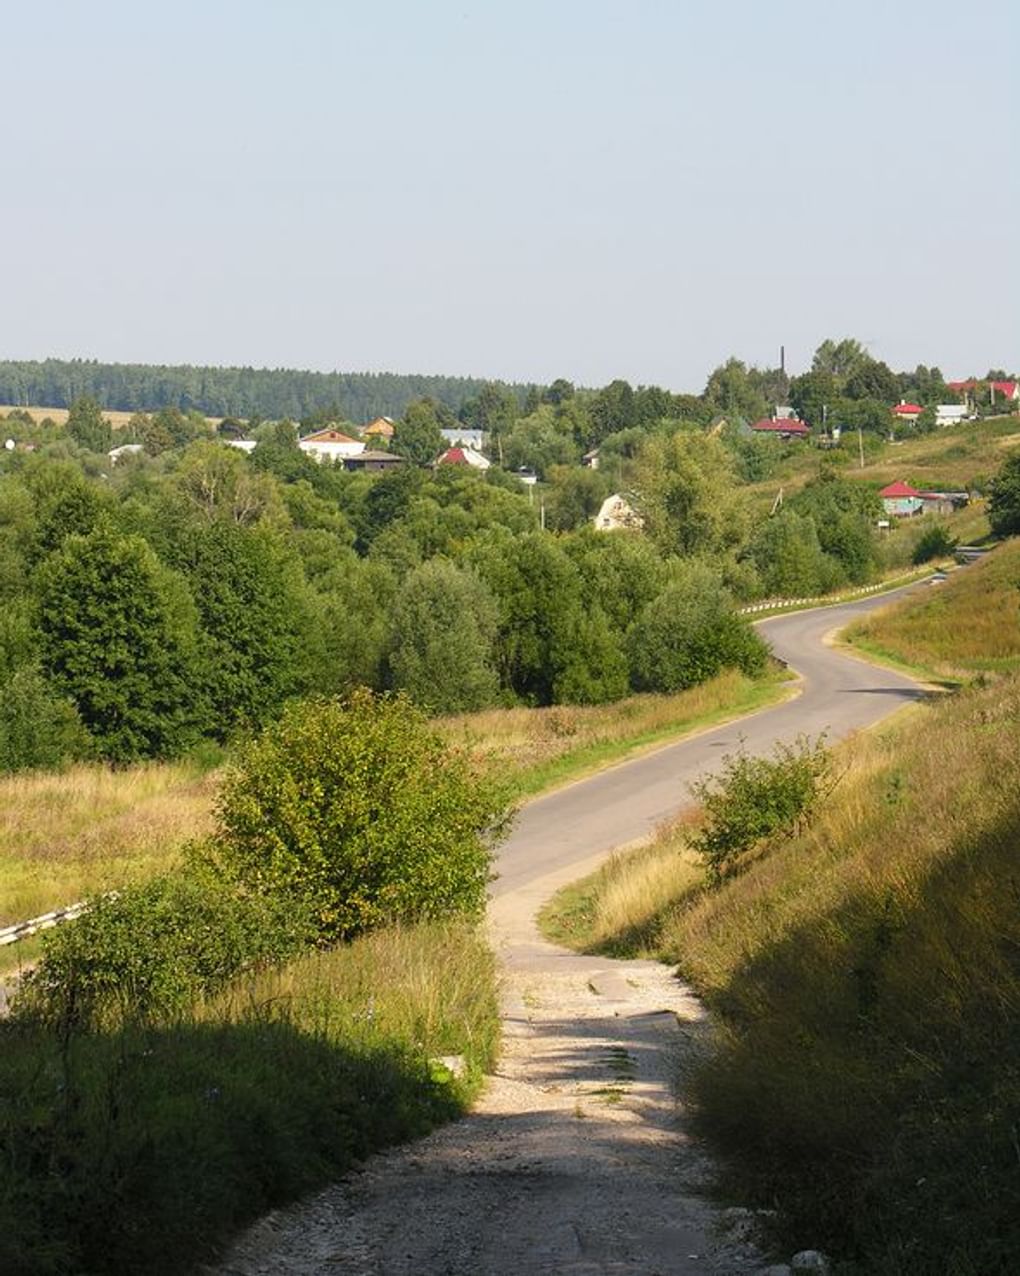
[252, 607]
[444, 628]
[38, 729]
[687, 492]
[363, 813]
[118, 637]
[689, 633]
[87, 425]
[416, 436]
[1004, 498]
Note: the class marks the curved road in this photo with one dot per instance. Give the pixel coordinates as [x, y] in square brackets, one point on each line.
[573, 1160]
[838, 695]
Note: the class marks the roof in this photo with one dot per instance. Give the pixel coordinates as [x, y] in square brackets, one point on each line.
[899, 489]
[1007, 388]
[963, 385]
[381, 425]
[463, 456]
[327, 436]
[908, 409]
[377, 456]
[784, 425]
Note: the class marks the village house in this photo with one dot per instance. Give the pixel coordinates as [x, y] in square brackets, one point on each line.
[617, 514]
[464, 456]
[381, 428]
[782, 427]
[125, 449]
[951, 413]
[907, 412]
[900, 499]
[330, 445]
[373, 461]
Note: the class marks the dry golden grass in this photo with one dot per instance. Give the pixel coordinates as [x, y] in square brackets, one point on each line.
[68, 834]
[970, 624]
[117, 420]
[535, 748]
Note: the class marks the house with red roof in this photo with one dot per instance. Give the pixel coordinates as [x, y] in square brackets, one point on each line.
[782, 427]
[901, 500]
[1008, 390]
[908, 412]
[464, 456]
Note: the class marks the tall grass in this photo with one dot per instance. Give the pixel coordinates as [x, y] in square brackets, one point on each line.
[88, 829]
[76, 832]
[142, 1149]
[865, 978]
[538, 748]
[968, 625]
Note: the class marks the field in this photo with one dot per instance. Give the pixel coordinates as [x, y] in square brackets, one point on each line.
[117, 420]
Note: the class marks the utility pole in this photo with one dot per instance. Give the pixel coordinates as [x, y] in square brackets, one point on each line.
[860, 445]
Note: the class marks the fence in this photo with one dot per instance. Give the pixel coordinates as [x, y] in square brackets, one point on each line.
[22, 930]
[829, 600]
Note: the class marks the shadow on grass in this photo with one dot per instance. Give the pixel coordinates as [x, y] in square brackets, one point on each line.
[145, 1150]
[866, 1078]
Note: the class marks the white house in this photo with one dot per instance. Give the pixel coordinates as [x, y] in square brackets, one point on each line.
[951, 413]
[330, 445]
[616, 514]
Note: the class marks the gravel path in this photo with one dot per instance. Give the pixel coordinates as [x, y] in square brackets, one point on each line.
[573, 1161]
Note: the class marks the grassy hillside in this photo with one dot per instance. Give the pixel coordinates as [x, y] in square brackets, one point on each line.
[960, 457]
[968, 625]
[865, 978]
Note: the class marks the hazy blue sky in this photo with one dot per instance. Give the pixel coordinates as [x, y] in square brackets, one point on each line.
[511, 189]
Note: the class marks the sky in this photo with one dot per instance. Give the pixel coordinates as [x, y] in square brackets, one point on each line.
[512, 189]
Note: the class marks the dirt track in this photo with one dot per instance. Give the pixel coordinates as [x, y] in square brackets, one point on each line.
[574, 1160]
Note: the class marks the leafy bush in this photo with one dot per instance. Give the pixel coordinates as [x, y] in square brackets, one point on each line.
[37, 728]
[359, 810]
[1004, 498]
[935, 542]
[689, 634]
[756, 798]
[150, 951]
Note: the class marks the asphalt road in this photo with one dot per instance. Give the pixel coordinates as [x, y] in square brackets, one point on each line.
[838, 695]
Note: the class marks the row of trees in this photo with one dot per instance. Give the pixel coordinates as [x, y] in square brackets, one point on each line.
[537, 424]
[193, 594]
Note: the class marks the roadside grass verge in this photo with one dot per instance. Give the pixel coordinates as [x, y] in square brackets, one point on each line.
[538, 749]
[865, 983]
[965, 627]
[144, 1148]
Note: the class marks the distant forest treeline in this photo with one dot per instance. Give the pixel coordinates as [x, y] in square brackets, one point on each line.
[241, 392]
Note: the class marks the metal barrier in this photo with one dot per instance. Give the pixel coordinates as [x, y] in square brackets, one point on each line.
[22, 930]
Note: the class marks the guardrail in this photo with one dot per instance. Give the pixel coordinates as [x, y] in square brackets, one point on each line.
[778, 604]
[22, 930]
